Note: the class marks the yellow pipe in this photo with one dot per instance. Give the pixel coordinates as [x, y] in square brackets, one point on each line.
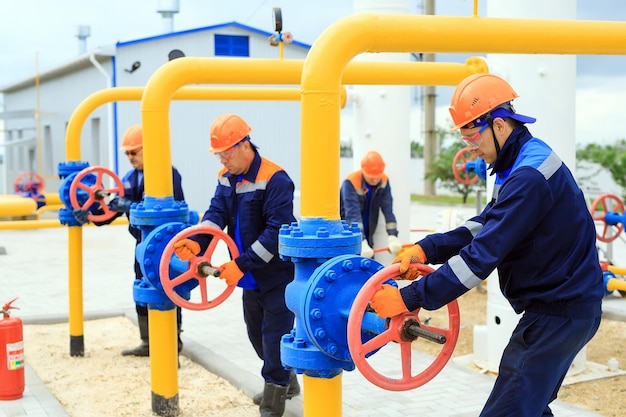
[75, 290]
[46, 224]
[48, 207]
[373, 73]
[52, 198]
[17, 206]
[617, 270]
[86, 107]
[616, 284]
[163, 84]
[163, 360]
[325, 396]
[365, 32]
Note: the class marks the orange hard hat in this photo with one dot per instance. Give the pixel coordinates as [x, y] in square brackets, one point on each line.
[132, 139]
[476, 95]
[227, 130]
[372, 164]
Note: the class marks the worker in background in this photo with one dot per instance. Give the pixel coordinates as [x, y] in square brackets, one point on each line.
[363, 195]
[132, 146]
[253, 199]
[538, 233]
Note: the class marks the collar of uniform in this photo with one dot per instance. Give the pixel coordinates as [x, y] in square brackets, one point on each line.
[509, 152]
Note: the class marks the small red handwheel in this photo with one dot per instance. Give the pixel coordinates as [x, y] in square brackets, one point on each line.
[96, 191]
[610, 203]
[29, 182]
[200, 267]
[397, 329]
[459, 167]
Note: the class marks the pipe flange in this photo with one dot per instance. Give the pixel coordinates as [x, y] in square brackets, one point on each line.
[333, 287]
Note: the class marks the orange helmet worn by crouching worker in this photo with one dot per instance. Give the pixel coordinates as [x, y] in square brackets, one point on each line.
[476, 95]
[227, 130]
[132, 139]
[372, 164]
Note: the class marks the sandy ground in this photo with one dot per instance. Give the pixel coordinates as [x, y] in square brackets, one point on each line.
[104, 383]
[127, 380]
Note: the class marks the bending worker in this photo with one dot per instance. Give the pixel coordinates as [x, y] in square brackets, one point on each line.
[132, 145]
[537, 232]
[363, 195]
[253, 199]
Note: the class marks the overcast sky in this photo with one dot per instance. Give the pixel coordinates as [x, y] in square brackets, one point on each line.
[43, 32]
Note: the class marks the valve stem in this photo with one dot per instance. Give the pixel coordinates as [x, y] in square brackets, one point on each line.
[205, 269]
[412, 330]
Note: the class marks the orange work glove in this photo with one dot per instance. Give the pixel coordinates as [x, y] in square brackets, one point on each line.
[231, 273]
[387, 302]
[406, 257]
[186, 249]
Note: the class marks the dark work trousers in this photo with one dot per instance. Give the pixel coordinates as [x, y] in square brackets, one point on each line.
[535, 362]
[267, 319]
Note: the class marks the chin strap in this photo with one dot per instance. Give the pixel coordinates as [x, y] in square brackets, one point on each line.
[489, 119]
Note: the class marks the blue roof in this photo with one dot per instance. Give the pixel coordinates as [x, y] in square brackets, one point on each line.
[202, 29]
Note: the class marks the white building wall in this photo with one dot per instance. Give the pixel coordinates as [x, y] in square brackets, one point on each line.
[58, 98]
[275, 124]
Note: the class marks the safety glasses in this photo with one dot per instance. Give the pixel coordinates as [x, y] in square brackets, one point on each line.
[226, 155]
[133, 153]
[473, 141]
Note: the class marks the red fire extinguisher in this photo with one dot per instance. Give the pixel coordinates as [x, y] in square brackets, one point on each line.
[11, 355]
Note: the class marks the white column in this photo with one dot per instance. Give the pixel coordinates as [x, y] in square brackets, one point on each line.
[381, 123]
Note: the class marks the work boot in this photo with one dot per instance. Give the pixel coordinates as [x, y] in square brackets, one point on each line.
[144, 347]
[273, 402]
[294, 389]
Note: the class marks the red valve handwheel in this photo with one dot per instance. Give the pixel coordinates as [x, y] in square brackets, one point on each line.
[97, 192]
[459, 167]
[610, 203]
[360, 350]
[195, 266]
[28, 181]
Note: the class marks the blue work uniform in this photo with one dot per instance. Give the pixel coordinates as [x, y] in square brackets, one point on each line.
[539, 234]
[134, 191]
[361, 203]
[253, 206]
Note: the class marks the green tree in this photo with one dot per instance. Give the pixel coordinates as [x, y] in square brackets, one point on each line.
[441, 169]
[417, 150]
[609, 157]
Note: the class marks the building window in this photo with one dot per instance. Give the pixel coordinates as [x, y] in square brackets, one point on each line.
[232, 45]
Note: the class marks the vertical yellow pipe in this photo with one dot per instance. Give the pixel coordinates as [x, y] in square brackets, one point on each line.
[75, 289]
[322, 396]
[163, 361]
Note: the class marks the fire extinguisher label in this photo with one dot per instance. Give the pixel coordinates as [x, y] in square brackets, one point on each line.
[15, 355]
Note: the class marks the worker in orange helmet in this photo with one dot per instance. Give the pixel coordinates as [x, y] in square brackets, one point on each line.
[537, 232]
[253, 199]
[133, 182]
[363, 195]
